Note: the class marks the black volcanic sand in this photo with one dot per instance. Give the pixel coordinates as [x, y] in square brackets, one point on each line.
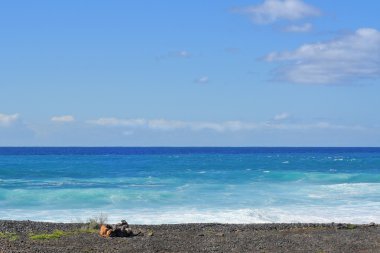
[196, 238]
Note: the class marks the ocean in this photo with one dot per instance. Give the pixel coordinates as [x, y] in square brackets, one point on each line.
[191, 185]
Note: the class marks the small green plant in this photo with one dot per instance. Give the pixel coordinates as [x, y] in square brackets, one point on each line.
[150, 232]
[55, 235]
[96, 222]
[9, 236]
[59, 233]
[351, 226]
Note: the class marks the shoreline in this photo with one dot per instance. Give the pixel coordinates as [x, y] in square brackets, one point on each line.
[356, 213]
[15, 236]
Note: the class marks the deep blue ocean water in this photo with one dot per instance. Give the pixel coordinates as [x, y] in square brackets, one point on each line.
[177, 185]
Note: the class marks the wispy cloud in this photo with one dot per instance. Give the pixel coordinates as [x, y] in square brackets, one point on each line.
[183, 54]
[127, 133]
[307, 27]
[174, 54]
[118, 122]
[8, 119]
[281, 116]
[162, 124]
[350, 57]
[202, 79]
[226, 126]
[63, 118]
[271, 11]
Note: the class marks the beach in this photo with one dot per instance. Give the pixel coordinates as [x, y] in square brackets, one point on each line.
[192, 238]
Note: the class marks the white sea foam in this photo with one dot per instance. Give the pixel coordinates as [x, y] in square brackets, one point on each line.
[358, 214]
[353, 188]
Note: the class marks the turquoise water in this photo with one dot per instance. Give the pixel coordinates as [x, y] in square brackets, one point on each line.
[177, 185]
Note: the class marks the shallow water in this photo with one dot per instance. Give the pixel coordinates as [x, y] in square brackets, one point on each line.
[178, 185]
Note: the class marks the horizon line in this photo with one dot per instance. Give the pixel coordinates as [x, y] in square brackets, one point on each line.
[74, 146]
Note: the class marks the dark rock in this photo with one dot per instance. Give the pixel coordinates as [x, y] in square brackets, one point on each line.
[118, 230]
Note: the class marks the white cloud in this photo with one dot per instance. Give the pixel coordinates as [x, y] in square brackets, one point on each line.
[316, 125]
[64, 118]
[281, 116]
[202, 79]
[273, 10]
[162, 124]
[118, 122]
[8, 119]
[351, 57]
[307, 27]
[226, 126]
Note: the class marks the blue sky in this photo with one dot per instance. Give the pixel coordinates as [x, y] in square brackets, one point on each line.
[190, 73]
